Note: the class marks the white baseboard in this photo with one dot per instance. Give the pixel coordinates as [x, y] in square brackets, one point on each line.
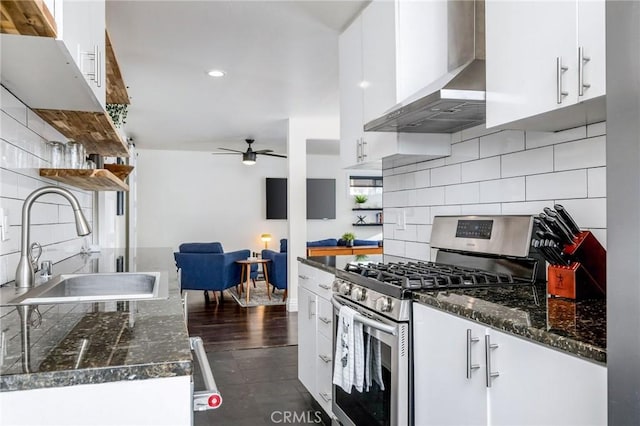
[292, 304]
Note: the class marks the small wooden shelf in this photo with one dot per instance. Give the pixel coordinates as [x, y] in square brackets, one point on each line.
[121, 171]
[116, 89]
[94, 130]
[366, 209]
[27, 17]
[92, 180]
[367, 224]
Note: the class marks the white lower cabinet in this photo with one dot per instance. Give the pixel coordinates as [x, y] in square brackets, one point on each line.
[315, 333]
[528, 384]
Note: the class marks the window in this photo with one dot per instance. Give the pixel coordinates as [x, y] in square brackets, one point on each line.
[371, 186]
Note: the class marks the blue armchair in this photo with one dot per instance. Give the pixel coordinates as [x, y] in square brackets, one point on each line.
[277, 268]
[205, 266]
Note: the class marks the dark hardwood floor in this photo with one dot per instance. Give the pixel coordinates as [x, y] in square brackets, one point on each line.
[253, 354]
[228, 326]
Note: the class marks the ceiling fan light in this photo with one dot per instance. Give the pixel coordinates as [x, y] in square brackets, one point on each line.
[249, 158]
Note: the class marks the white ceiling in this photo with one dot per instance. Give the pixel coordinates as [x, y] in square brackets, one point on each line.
[280, 57]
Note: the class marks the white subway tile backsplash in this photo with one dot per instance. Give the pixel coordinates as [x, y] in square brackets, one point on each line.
[444, 211]
[571, 184]
[418, 251]
[587, 212]
[424, 233]
[438, 162]
[529, 162]
[464, 151]
[597, 129]
[447, 175]
[392, 183]
[12, 106]
[479, 209]
[409, 233]
[501, 143]
[417, 215]
[502, 190]
[408, 181]
[584, 153]
[466, 193]
[476, 132]
[388, 231]
[430, 196]
[538, 139]
[423, 179]
[485, 169]
[394, 247]
[8, 183]
[389, 215]
[411, 197]
[528, 207]
[597, 182]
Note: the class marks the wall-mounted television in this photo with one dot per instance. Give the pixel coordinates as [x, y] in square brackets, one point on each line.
[321, 198]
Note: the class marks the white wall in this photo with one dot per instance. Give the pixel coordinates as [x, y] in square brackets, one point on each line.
[195, 196]
[497, 172]
[23, 136]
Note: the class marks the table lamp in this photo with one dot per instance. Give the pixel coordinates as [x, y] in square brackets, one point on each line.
[265, 239]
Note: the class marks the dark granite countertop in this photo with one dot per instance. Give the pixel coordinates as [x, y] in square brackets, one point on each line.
[576, 327]
[81, 343]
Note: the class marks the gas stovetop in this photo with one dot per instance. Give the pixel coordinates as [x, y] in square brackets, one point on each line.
[433, 276]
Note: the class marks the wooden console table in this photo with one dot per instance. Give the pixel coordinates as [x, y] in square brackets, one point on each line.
[342, 250]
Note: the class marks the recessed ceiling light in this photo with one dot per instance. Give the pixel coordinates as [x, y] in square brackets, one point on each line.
[364, 84]
[216, 73]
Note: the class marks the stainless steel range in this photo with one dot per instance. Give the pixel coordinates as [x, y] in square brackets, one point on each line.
[473, 252]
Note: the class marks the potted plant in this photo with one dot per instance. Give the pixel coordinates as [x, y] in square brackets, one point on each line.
[360, 199]
[348, 238]
[118, 114]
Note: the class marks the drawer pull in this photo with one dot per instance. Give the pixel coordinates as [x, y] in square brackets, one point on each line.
[325, 320]
[325, 396]
[304, 277]
[324, 286]
[325, 358]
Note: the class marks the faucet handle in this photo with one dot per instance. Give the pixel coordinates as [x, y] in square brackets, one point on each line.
[34, 253]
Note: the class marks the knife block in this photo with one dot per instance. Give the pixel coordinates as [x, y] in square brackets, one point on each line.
[586, 277]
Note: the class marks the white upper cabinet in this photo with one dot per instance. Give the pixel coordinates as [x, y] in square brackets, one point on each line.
[369, 55]
[421, 45]
[62, 73]
[532, 57]
[81, 26]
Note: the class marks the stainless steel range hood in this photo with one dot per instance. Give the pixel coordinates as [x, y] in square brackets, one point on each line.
[456, 101]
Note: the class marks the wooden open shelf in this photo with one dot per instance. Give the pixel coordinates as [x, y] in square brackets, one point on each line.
[27, 17]
[94, 130]
[116, 89]
[367, 224]
[121, 171]
[92, 180]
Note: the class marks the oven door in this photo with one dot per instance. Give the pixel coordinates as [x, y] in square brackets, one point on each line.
[388, 407]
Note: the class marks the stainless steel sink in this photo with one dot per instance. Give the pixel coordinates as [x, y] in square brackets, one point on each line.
[75, 288]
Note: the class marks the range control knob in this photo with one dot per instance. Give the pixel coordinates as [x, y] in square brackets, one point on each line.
[384, 304]
[359, 294]
[345, 289]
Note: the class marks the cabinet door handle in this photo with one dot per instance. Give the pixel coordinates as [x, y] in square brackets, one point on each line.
[359, 150]
[470, 365]
[325, 396]
[304, 277]
[325, 358]
[488, 346]
[324, 286]
[582, 59]
[364, 143]
[325, 320]
[560, 69]
[312, 302]
[96, 63]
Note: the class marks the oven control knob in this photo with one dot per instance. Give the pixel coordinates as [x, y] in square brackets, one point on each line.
[345, 289]
[384, 304]
[359, 294]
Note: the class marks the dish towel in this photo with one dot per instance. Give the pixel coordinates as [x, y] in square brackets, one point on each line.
[373, 363]
[348, 370]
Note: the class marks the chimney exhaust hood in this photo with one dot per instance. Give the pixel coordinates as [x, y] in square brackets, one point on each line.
[456, 101]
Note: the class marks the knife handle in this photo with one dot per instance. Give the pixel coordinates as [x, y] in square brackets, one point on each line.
[564, 214]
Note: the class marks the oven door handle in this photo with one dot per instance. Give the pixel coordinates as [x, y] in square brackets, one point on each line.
[208, 399]
[377, 325]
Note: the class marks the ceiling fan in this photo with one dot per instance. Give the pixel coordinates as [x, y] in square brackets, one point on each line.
[249, 156]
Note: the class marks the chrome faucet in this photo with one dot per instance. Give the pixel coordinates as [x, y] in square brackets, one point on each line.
[25, 271]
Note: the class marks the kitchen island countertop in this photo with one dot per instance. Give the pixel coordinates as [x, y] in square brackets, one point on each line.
[89, 343]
